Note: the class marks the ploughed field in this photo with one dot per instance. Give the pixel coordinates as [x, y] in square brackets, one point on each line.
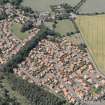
[93, 6]
[44, 5]
[92, 29]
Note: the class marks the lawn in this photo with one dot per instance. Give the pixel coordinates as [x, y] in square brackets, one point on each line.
[93, 31]
[16, 29]
[43, 5]
[64, 26]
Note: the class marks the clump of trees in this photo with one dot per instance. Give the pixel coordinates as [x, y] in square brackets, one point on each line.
[3, 1]
[27, 26]
[3, 15]
[35, 94]
[13, 2]
[5, 97]
[70, 33]
[68, 8]
[7, 100]
[54, 25]
[27, 10]
[82, 47]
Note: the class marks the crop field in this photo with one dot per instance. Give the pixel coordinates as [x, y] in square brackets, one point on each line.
[16, 29]
[93, 6]
[93, 31]
[65, 26]
[43, 5]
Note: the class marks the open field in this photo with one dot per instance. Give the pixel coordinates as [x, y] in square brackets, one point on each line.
[65, 26]
[42, 5]
[16, 29]
[92, 29]
[93, 6]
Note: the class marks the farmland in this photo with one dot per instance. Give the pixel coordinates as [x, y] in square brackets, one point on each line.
[43, 5]
[62, 26]
[93, 6]
[92, 29]
[65, 26]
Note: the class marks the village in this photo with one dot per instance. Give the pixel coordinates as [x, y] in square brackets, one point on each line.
[64, 69]
[59, 65]
[10, 44]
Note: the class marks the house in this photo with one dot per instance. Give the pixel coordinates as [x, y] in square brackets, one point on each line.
[72, 16]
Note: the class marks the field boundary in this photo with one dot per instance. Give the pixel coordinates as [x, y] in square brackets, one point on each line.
[91, 14]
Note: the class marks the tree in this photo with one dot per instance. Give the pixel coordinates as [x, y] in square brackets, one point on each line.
[3, 2]
[55, 22]
[54, 26]
[16, 2]
[68, 34]
[82, 47]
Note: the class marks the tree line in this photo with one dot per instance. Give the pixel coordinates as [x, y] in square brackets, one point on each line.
[13, 2]
[24, 51]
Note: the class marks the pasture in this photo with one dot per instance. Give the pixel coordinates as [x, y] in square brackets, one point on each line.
[44, 5]
[16, 29]
[93, 6]
[62, 26]
[65, 26]
[92, 29]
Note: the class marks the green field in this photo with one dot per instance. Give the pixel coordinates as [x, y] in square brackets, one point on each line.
[16, 29]
[93, 6]
[43, 5]
[65, 26]
[93, 31]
